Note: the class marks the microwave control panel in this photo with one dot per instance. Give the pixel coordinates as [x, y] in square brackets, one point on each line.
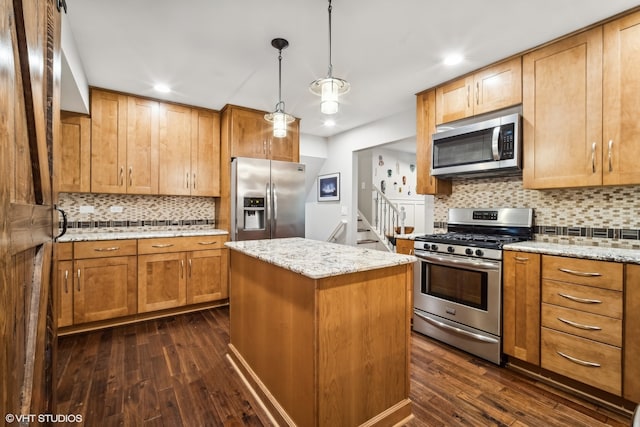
[508, 138]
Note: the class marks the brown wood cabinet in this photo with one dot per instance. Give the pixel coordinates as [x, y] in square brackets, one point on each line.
[63, 283]
[582, 311]
[631, 351]
[205, 152]
[425, 128]
[105, 282]
[492, 88]
[404, 246]
[72, 158]
[173, 272]
[521, 306]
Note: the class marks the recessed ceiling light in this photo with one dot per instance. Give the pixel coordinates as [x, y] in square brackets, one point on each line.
[453, 59]
[329, 123]
[162, 88]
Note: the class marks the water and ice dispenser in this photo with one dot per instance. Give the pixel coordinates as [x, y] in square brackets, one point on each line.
[254, 213]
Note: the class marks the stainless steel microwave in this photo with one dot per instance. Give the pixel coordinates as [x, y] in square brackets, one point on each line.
[487, 148]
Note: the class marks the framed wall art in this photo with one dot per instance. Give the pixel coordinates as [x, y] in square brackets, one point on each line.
[329, 187]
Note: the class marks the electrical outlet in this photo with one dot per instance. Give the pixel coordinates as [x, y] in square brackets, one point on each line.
[116, 209]
[87, 209]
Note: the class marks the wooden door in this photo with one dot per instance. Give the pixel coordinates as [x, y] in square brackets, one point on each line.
[161, 281]
[205, 153]
[562, 111]
[425, 128]
[454, 100]
[108, 142]
[142, 146]
[521, 306]
[29, 124]
[207, 275]
[631, 346]
[174, 155]
[249, 133]
[497, 87]
[286, 149]
[105, 288]
[72, 164]
[621, 105]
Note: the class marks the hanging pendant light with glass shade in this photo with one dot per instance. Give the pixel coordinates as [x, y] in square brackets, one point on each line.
[329, 88]
[279, 118]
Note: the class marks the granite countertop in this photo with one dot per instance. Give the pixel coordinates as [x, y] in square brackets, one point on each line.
[83, 235]
[316, 259]
[578, 251]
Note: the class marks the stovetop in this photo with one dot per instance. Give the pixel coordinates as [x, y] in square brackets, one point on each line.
[471, 239]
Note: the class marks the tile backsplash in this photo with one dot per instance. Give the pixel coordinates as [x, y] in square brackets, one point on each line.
[599, 216]
[119, 211]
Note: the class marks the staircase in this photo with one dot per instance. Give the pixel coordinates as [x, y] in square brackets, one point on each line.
[367, 236]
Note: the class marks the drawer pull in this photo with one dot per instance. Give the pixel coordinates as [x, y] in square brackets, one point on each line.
[580, 325]
[580, 300]
[66, 281]
[213, 242]
[78, 280]
[578, 361]
[579, 273]
[519, 258]
[162, 245]
[111, 249]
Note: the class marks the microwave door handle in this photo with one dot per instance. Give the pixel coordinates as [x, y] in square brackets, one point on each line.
[495, 149]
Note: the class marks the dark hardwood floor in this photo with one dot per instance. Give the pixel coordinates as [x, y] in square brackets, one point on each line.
[173, 372]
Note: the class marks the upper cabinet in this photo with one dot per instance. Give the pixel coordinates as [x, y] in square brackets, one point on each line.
[493, 88]
[425, 128]
[72, 158]
[580, 105]
[205, 152]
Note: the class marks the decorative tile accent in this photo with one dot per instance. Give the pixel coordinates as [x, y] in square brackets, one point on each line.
[594, 216]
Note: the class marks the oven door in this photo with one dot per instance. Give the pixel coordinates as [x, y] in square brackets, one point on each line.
[461, 289]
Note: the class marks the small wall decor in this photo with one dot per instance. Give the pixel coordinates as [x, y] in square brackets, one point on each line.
[389, 172]
[329, 187]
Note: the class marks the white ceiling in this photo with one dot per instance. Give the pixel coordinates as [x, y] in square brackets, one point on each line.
[215, 52]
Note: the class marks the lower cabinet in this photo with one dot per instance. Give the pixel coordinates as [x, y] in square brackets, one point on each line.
[404, 246]
[63, 283]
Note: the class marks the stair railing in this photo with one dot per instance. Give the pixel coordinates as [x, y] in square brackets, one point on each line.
[334, 235]
[387, 216]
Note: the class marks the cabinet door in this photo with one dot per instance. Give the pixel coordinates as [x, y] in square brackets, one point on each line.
[404, 246]
[249, 134]
[286, 149]
[108, 142]
[175, 150]
[73, 157]
[161, 281]
[621, 92]
[63, 292]
[453, 100]
[207, 273]
[521, 306]
[104, 288]
[425, 128]
[499, 86]
[631, 356]
[142, 146]
[562, 109]
[205, 153]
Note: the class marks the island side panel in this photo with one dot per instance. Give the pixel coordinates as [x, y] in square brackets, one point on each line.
[272, 327]
[363, 345]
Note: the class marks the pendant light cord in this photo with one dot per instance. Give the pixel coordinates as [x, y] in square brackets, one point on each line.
[279, 80]
[330, 64]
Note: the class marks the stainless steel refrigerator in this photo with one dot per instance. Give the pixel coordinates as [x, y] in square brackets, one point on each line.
[267, 199]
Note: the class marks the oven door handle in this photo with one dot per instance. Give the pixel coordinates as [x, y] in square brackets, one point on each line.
[458, 331]
[457, 263]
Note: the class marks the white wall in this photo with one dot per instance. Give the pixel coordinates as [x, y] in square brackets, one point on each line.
[74, 86]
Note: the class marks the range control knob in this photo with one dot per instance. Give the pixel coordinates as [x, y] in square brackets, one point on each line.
[451, 249]
[479, 252]
[434, 247]
[468, 251]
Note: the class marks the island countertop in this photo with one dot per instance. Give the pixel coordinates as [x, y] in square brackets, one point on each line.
[316, 259]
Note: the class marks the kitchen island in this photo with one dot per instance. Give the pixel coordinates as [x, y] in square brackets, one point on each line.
[321, 331]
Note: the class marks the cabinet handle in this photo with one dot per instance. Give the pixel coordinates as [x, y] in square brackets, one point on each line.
[579, 273]
[610, 155]
[580, 300]
[519, 258]
[593, 157]
[190, 268]
[66, 281]
[468, 96]
[181, 268]
[213, 242]
[264, 146]
[121, 176]
[477, 93]
[130, 176]
[111, 249]
[578, 361]
[580, 325]
[194, 181]
[78, 280]
[162, 245]
[187, 179]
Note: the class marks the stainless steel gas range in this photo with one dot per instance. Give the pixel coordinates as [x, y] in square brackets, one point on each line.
[458, 281]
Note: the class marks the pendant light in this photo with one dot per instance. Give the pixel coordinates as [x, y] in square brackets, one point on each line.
[329, 88]
[279, 118]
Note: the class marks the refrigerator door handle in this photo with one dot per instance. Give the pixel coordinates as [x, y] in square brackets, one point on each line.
[268, 207]
[274, 194]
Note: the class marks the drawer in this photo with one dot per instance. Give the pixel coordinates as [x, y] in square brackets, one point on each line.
[104, 248]
[587, 325]
[602, 274]
[584, 298]
[180, 244]
[63, 251]
[596, 364]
